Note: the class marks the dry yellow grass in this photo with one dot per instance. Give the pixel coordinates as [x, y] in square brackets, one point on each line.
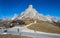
[45, 27]
[28, 21]
[12, 36]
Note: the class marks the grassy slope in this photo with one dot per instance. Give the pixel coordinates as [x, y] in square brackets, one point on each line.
[45, 27]
[12, 36]
[28, 21]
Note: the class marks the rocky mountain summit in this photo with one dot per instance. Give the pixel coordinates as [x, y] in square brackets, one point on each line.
[32, 13]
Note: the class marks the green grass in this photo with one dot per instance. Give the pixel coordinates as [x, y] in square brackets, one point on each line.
[45, 27]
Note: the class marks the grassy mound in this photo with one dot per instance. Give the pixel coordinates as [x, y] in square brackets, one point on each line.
[45, 27]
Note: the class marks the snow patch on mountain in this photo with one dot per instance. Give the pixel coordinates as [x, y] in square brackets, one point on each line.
[14, 17]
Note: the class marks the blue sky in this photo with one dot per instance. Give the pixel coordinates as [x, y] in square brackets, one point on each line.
[9, 7]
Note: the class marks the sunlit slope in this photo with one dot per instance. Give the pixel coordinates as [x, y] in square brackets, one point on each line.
[45, 27]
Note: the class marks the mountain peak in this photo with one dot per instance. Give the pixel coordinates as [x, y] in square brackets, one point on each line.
[30, 12]
[30, 6]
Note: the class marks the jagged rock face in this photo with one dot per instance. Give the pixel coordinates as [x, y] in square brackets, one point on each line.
[51, 19]
[14, 17]
[54, 19]
[30, 12]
